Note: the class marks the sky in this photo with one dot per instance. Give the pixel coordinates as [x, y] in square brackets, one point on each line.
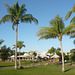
[44, 11]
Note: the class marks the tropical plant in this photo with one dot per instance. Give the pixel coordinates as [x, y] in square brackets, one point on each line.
[72, 50]
[16, 14]
[33, 54]
[19, 45]
[52, 50]
[58, 49]
[72, 56]
[4, 52]
[57, 29]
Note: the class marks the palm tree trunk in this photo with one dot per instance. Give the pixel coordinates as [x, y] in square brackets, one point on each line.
[16, 67]
[33, 61]
[19, 59]
[62, 56]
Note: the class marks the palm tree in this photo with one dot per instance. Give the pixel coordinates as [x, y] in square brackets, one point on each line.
[57, 29]
[52, 50]
[16, 14]
[19, 45]
[33, 54]
[58, 52]
[58, 49]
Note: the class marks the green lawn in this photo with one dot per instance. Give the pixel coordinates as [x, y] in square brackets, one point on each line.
[7, 64]
[40, 70]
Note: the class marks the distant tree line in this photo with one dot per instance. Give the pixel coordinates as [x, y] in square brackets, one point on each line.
[67, 56]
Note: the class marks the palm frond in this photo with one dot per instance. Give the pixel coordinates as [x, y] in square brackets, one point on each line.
[13, 25]
[20, 44]
[73, 20]
[73, 10]
[46, 30]
[7, 18]
[28, 18]
[22, 9]
[8, 7]
[69, 28]
[34, 20]
[68, 15]
[48, 36]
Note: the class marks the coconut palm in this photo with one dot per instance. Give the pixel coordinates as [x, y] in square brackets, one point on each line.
[57, 29]
[16, 14]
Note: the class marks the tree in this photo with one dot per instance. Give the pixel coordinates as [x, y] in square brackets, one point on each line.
[58, 49]
[58, 52]
[57, 29]
[19, 45]
[12, 52]
[33, 54]
[4, 52]
[72, 50]
[52, 50]
[16, 14]
[72, 55]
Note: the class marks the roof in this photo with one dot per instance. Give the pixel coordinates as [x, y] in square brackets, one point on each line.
[55, 56]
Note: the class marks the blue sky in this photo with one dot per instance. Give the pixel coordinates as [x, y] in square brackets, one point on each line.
[44, 11]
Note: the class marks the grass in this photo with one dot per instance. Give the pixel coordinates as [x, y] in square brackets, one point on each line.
[40, 70]
[8, 64]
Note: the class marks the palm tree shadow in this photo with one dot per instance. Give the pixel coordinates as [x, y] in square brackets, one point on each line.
[27, 67]
[68, 69]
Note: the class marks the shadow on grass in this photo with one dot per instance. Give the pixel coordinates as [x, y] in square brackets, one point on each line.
[68, 69]
[6, 66]
[27, 67]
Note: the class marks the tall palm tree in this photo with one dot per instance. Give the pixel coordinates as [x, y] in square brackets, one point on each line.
[16, 14]
[57, 29]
